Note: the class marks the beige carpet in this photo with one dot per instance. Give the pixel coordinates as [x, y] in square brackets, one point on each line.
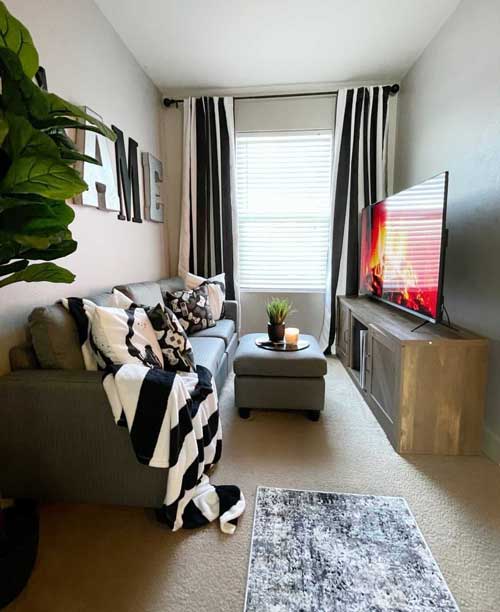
[104, 559]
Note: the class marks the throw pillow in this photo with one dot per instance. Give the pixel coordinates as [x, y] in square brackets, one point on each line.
[126, 336]
[192, 309]
[82, 310]
[121, 300]
[216, 286]
[174, 343]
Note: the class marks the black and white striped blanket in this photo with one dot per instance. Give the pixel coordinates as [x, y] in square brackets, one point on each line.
[173, 421]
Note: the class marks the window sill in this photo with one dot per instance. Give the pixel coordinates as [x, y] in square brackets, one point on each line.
[267, 290]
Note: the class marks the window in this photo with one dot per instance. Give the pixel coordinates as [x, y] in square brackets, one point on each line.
[283, 199]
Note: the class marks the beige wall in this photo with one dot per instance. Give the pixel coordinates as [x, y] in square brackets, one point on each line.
[87, 63]
[171, 133]
[449, 119]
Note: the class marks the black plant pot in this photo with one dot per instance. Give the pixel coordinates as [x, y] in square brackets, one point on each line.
[276, 333]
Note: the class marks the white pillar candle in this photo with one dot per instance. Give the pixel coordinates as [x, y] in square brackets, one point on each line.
[292, 335]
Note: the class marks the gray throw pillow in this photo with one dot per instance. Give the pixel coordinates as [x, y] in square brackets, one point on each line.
[192, 308]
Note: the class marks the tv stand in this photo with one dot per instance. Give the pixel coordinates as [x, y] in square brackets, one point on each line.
[425, 386]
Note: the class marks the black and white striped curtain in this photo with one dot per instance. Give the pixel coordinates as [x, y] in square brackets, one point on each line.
[208, 239]
[359, 178]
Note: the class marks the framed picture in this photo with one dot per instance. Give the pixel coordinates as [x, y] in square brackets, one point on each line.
[153, 177]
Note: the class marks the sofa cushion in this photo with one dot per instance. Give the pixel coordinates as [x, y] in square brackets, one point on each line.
[143, 294]
[251, 360]
[55, 338]
[106, 299]
[208, 352]
[175, 283]
[223, 329]
[23, 357]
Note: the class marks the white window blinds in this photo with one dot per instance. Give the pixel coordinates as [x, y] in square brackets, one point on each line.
[283, 198]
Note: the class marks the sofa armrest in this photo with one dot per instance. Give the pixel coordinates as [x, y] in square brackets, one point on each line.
[231, 311]
[41, 380]
[59, 442]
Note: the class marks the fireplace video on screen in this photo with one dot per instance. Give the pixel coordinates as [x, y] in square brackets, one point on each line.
[401, 248]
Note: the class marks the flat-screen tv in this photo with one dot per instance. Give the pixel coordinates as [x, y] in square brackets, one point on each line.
[402, 242]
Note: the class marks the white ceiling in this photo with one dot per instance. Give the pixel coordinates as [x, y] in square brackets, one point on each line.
[194, 44]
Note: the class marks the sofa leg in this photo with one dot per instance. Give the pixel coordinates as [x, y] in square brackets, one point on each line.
[313, 415]
[244, 412]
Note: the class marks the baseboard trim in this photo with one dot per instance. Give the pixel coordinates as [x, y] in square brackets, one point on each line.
[491, 445]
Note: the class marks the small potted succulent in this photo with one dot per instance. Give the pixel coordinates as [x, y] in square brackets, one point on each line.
[277, 311]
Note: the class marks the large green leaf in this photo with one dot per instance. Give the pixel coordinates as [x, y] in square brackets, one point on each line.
[13, 201]
[35, 273]
[24, 140]
[4, 128]
[40, 240]
[55, 122]
[62, 244]
[14, 36]
[20, 94]
[54, 251]
[8, 250]
[47, 177]
[60, 107]
[71, 156]
[15, 266]
[37, 218]
[68, 149]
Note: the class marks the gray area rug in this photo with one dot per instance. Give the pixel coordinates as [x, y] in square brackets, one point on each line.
[314, 551]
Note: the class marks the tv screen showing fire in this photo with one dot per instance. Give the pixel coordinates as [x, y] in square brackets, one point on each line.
[402, 254]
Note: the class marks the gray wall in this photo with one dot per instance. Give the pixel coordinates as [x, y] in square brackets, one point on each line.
[449, 119]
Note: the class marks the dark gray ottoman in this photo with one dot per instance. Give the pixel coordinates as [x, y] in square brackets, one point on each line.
[278, 380]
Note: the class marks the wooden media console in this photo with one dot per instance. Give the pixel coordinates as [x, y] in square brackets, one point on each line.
[426, 388]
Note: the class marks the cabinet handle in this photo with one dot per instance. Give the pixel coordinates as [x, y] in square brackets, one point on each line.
[346, 331]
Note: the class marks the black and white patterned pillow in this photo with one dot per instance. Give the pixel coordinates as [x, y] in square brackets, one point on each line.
[192, 308]
[111, 336]
[174, 343]
[216, 286]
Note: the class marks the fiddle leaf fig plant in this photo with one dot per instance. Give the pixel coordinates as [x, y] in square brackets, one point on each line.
[36, 164]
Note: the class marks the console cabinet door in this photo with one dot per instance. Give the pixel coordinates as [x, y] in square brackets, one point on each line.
[382, 379]
[343, 339]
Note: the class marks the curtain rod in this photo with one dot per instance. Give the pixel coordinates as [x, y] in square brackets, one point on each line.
[168, 102]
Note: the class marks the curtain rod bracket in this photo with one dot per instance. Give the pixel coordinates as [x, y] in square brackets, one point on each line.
[168, 102]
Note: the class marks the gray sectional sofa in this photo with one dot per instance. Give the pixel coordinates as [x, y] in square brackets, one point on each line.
[58, 439]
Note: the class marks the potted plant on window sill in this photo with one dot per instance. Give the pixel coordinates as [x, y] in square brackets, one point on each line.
[278, 310]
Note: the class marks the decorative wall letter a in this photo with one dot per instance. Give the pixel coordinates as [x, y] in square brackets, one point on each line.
[128, 177]
[102, 192]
